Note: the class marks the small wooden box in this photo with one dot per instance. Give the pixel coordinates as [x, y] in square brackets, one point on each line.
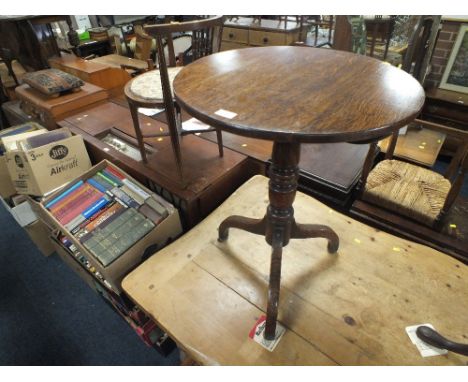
[50, 110]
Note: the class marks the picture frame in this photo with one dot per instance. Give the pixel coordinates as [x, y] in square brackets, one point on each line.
[455, 76]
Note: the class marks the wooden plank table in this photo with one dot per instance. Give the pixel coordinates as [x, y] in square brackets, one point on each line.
[350, 308]
[420, 146]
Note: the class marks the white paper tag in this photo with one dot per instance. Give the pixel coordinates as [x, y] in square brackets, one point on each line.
[257, 334]
[194, 124]
[225, 113]
[425, 349]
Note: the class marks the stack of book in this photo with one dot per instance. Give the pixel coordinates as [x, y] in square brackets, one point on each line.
[107, 213]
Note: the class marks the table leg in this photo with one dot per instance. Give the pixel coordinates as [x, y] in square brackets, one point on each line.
[279, 225]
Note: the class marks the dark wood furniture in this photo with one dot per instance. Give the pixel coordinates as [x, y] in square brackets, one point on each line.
[421, 45]
[358, 105]
[448, 108]
[330, 172]
[31, 39]
[426, 217]
[91, 47]
[417, 145]
[433, 213]
[379, 31]
[320, 21]
[244, 32]
[51, 110]
[210, 178]
[205, 40]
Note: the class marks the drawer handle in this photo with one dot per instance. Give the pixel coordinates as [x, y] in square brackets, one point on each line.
[231, 35]
[265, 40]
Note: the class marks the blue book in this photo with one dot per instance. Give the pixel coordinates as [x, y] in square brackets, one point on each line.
[64, 194]
[96, 207]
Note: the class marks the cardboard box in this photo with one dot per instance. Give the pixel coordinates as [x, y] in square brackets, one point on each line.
[36, 229]
[68, 258]
[39, 234]
[22, 213]
[7, 188]
[169, 229]
[6, 185]
[43, 169]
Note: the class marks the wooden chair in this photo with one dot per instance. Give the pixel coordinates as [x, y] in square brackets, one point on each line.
[417, 193]
[143, 44]
[318, 22]
[379, 31]
[421, 46]
[117, 43]
[154, 88]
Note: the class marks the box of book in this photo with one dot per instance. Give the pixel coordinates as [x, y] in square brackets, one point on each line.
[45, 161]
[110, 222]
[6, 136]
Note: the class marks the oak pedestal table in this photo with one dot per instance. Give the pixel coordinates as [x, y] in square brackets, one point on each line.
[290, 96]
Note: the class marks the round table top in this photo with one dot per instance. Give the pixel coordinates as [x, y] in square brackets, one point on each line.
[299, 94]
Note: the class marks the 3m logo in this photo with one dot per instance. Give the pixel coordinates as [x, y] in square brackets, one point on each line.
[58, 152]
[19, 161]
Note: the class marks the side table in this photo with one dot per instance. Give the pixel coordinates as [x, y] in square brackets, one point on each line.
[300, 96]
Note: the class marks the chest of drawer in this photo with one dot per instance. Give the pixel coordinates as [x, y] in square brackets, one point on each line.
[236, 35]
[261, 38]
[227, 45]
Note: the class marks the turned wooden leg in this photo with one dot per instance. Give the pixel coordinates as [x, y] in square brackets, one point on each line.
[305, 231]
[279, 225]
[256, 226]
[280, 219]
[136, 126]
[274, 286]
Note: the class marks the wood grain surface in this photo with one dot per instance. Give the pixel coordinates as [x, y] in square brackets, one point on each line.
[350, 308]
[287, 93]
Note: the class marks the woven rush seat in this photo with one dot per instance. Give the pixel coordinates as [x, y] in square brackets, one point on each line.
[148, 85]
[410, 190]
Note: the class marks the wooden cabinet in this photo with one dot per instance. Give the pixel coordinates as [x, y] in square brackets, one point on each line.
[244, 32]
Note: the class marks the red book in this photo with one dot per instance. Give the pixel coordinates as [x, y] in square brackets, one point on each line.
[69, 197]
[85, 202]
[114, 172]
[71, 200]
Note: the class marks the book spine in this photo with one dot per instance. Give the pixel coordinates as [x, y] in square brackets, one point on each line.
[96, 207]
[96, 185]
[87, 202]
[124, 197]
[116, 173]
[110, 181]
[72, 201]
[112, 177]
[139, 191]
[61, 196]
